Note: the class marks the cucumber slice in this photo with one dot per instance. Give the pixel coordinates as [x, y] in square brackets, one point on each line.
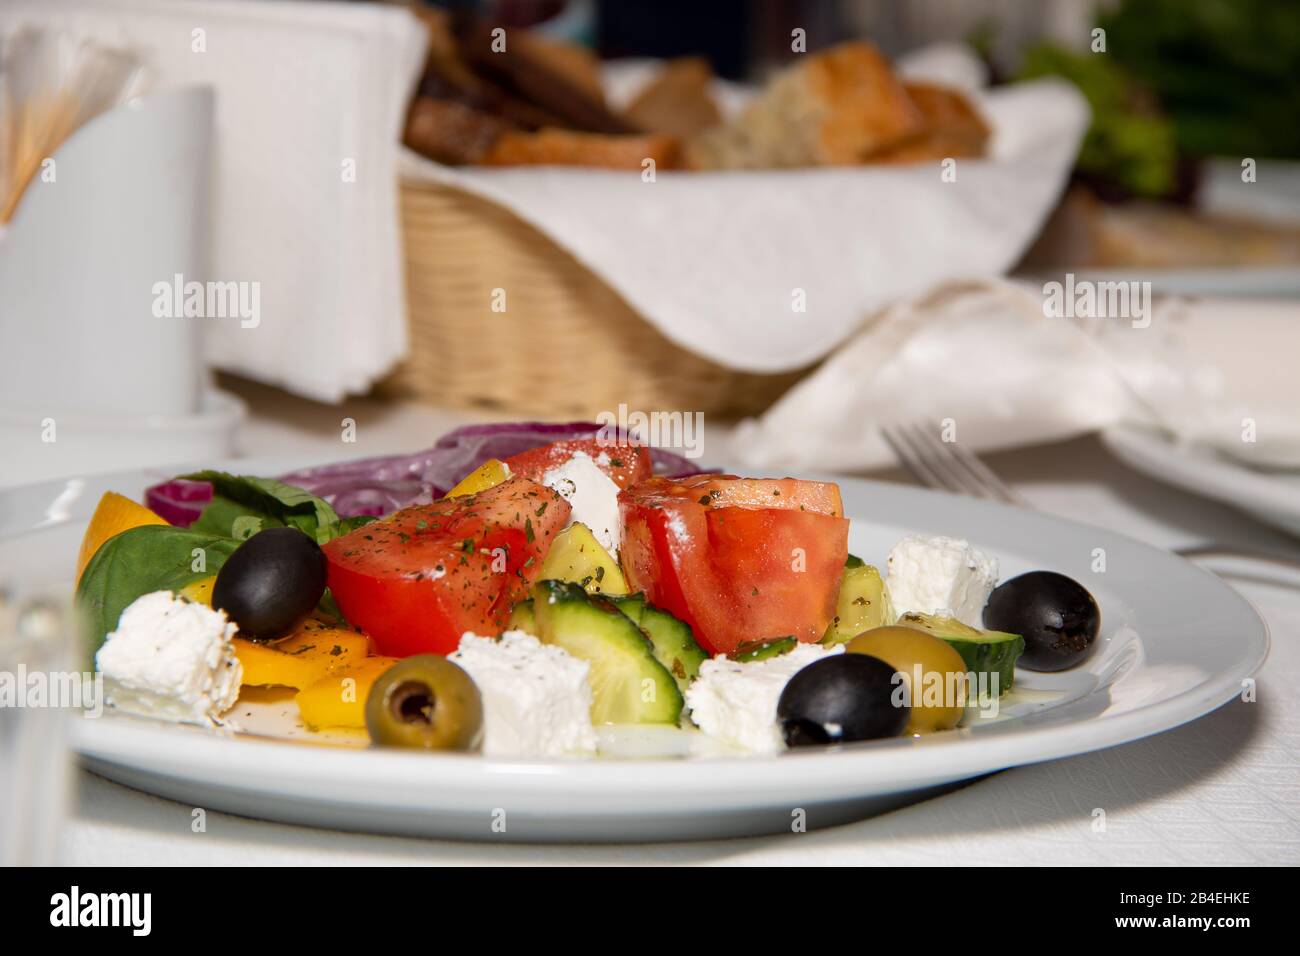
[863, 604]
[749, 653]
[853, 561]
[628, 684]
[993, 653]
[673, 641]
[633, 605]
[523, 619]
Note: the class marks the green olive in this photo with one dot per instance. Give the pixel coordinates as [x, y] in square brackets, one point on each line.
[425, 702]
[937, 704]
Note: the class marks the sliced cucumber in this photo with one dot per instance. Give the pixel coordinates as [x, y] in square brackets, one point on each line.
[749, 653]
[853, 561]
[576, 555]
[523, 619]
[633, 605]
[673, 641]
[628, 684]
[993, 653]
[863, 604]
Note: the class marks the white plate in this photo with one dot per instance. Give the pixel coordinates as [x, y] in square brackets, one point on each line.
[1198, 642]
[1272, 496]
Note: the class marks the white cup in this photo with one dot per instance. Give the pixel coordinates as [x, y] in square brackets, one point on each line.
[119, 208]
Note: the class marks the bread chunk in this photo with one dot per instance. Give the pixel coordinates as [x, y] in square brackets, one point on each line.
[833, 108]
[677, 101]
[953, 127]
[561, 147]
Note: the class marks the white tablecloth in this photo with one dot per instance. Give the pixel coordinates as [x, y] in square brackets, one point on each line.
[1222, 790]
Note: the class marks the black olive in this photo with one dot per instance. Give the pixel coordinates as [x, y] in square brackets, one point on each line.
[271, 583]
[1056, 616]
[839, 699]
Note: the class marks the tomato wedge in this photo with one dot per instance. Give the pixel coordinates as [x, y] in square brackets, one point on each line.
[423, 576]
[626, 464]
[741, 560]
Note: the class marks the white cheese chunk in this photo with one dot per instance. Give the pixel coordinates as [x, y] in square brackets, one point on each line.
[171, 659]
[736, 702]
[536, 697]
[592, 494]
[941, 576]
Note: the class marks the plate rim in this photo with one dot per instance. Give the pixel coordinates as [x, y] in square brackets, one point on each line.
[1146, 449]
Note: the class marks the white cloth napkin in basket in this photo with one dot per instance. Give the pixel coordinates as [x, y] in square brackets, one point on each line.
[721, 262]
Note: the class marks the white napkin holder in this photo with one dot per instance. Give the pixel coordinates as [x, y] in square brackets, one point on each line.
[92, 376]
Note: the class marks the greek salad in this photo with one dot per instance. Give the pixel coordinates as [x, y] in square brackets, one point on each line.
[517, 589]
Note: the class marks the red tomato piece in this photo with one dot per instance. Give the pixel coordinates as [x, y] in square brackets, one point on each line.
[625, 464]
[738, 559]
[420, 578]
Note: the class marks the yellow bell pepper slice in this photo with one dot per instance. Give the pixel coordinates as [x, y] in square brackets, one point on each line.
[339, 699]
[302, 658]
[491, 472]
[114, 514]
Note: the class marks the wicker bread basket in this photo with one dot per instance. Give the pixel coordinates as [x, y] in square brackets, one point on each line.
[566, 345]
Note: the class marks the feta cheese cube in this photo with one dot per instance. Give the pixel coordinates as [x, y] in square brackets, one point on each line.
[937, 575]
[171, 659]
[736, 702]
[536, 697]
[592, 494]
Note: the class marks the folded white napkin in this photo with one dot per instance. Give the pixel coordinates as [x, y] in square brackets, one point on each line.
[304, 92]
[984, 360]
[719, 261]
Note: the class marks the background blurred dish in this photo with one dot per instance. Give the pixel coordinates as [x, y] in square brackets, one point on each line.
[1271, 496]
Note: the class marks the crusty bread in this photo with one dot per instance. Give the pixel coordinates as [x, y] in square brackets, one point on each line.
[451, 132]
[953, 127]
[677, 102]
[447, 76]
[562, 147]
[836, 107]
[531, 72]
[577, 64]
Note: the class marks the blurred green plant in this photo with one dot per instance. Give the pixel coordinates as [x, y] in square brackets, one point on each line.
[1227, 72]
[1129, 144]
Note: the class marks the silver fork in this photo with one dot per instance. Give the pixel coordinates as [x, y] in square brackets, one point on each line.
[942, 464]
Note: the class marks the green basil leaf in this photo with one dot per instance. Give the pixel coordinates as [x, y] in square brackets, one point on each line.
[330, 607]
[347, 525]
[237, 498]
[245, 526]
[142, 560]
